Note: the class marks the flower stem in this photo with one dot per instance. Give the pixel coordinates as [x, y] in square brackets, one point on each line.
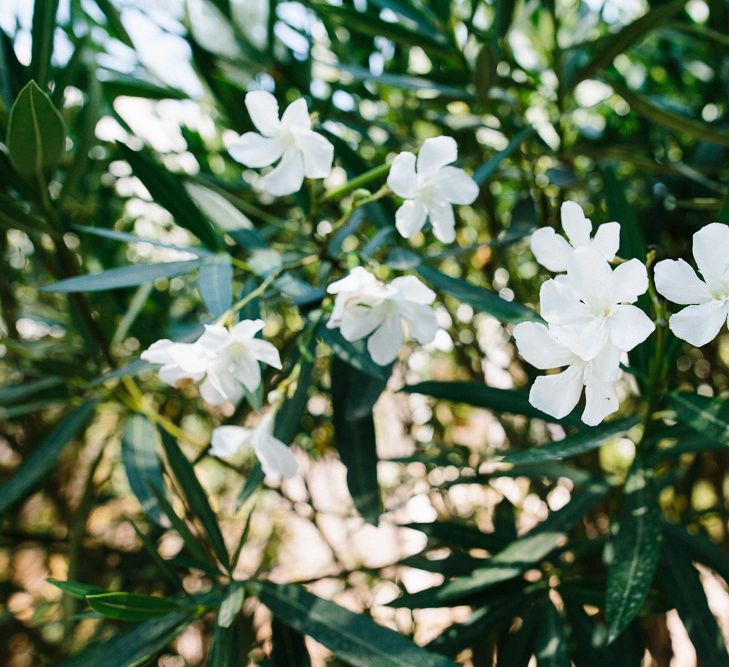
[355, 183]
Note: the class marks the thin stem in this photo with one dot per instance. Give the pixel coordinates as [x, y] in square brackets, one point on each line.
[356, 182]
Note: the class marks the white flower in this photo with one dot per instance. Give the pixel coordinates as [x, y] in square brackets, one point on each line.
[589, 307]
[553, 251]
[707, 300]
[302, 151]
[227, 359]
[558, 394]
[276, 458]
[365, 306]
[430, 188]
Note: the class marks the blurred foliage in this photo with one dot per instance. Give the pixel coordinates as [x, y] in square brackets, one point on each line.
[623, 112]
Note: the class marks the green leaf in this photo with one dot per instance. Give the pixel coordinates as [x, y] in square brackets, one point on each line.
[18, 392]
[354, 394]
[354, 354]
[700, 548]
[709, 416]
[141, 463]
[114, 23]
[681, 124]
[458, 533]
[127, 86]
[14, 216]
[606, 49]
[288, 646]
[681, 581]
[124, 237]
[631, 236]
[36, 135]
[195, 496]
[124, 276]
[130, 606]
[215, 284]
[355, 638]
[288, 418]
[512, 560]
[488, 168]
[634, 548]
[572, 445]
[42, 32]
[480, 298]
[133, 646]
[551, 640]
[76, 589]
[417, 13]
[43, 459]
[231, 605]
[482, 396]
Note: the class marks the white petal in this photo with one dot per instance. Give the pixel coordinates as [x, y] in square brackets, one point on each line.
[539, 347]
[410, 218]
[276, 458]
[435, 153]
[560, 305]
[711, 251]
[159, 352]
[421, 319]
[557, 395]
[412, 289]
[213, 338]
[607, 240]
[265, 352]
[402, 179]
[254, 150]
[288, 176]
[296, 116]
[191, 357]
[601, 401]
[605, 367]
[384, 345]
[227, 440]
[456, 186]
[357, 279]
[263, 109]
[630, 280]
[678, 282]
[359, 321]
[700, 324]
[629, 326]
[317, 152]
[245, 330]
[550, 249]
[586, 340]
[590, 276]
[173, 375]
[442, 220]
[577, 227]
[211, 390]
[246, 371]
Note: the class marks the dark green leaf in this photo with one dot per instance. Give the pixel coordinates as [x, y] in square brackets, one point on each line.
[130, 606]
[115, 25]
[458, 533]
[701, 549]
[42, 31]
[76, 589]
[354, 354]
[289, 647]
[123, 237]
[488, 168]
[215, 284]
[709, 416]
[141, 462]
[618, 208]
[551, 641]
[231, 605]
[117, 86]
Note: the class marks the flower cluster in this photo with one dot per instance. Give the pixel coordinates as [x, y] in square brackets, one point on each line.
[590, 319]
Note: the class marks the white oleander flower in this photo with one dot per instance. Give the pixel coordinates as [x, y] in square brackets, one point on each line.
[227, 359]
[276, 458]
[590, 307]
[707, 300]
[365, 306]
[558, 394]
[430, 188]
[553, 251]
[303, 152]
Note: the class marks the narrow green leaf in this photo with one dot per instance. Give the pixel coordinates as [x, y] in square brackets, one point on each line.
[42, 32]
[231, 606]
[76, 589]
[288, 418]
[488, 168]
[196, 496]
[123, 237]
[482, 396]
[223, 647]
[117, 86]
[709, 416]
[289, 647]
[355, 638]
[251, 485]
[354, 394]
[130, 606]
[460, 534]
[572, 445]
[354, 354]
[162, 565]
[124, 276]
[551, 640]
[141, 462]
[480, 298]
[634, 548]
[701, 549]
[681, 581]
[43, 459]
[36, 135]
[618, 208]
[18, 392]
[215, 284]
[14, 216]
[114, 23]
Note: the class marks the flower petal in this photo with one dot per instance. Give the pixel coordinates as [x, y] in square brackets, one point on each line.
[263, 109]
[678, 282]
[359, 321]
[227, 440]
[590, 276]
[159, 352]
[422, 321]
[630, 280]
[577, 227]
[402, 179]
[246, 371]
[700, 324]
[412, 289]
[211, 390]
[276, 458]
[296, 116]
[557, 395]
[607, 240]
[190, 357]
[410, 218]
[384, 345]
[629, 326]
[358, 279]
[539, 347]
[435, 153]
[265, 352]
[245, 330]
[601, 400]
[711, 246]
[456, 186]
[550, 249]
[560, 304]
[173, 375]
[442, 220]
[288, 176]
[254, 150]
[317, 152]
